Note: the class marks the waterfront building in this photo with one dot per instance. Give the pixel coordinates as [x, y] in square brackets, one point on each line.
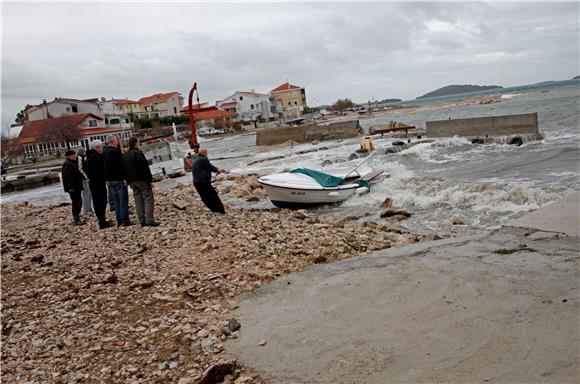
[211, 116]
[292, 98]
[251, 106]
[159, 105]
[47, 137]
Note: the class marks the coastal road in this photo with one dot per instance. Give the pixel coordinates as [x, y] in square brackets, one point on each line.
[497, 307]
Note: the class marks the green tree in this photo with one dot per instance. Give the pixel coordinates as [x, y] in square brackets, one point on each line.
[21, 116]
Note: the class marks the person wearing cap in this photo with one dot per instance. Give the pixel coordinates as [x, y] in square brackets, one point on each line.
[72, 181]
[95, 171]
[139, 178]
[201, 171]
[86, 195]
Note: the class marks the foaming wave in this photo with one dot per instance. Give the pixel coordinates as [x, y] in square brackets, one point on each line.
[511, 95]
[436, 198]
[437, 152]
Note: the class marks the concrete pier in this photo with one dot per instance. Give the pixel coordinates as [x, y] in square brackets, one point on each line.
[309, 132]
[562, 216]
[507, 125]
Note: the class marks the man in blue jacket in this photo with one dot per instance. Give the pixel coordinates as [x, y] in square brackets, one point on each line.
[201, 171]
[116, 182]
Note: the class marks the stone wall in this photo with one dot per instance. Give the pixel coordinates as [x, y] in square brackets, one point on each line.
[309, 132]
[482, 126]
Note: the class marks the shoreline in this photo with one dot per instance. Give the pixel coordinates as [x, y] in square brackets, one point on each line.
[148, 304]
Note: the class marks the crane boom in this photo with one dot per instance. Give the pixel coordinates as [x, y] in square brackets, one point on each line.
[193, 144]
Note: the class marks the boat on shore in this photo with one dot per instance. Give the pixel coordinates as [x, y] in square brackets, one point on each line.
[303, 187]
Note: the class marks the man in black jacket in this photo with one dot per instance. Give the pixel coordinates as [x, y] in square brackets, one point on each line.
[95, 171]
[201, 171]
[115, 177]
[138, 176]
[72, 181]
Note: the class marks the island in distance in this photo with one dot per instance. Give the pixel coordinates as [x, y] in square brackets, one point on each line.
[458, 89]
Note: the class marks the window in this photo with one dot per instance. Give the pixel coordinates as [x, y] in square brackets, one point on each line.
[92, 123]
[67, 109]
[106, 120]
[295, 103]
[241, 98]
[75, 109]
[127, 120]
[289, 103]
[115, 121]
[251, 106]
[175, 110]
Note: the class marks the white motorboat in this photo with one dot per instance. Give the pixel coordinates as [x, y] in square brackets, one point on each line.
[303, 187]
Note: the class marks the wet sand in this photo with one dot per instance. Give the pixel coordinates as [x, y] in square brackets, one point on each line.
[501, 307]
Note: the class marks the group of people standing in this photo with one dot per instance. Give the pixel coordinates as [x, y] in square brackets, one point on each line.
[103, 173]
[107, 172]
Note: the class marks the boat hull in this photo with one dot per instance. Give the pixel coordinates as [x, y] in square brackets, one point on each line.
[285, 197]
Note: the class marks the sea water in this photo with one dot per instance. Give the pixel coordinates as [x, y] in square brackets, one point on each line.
[484, 185]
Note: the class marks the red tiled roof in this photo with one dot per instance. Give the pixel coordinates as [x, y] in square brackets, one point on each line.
[196, 107]
[93, 131]
[157, 98]
[93, 100]
[285, 87]
[124, 101]
[211, 113]
[33, 129]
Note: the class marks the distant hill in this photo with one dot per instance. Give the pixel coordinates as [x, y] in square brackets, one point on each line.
[576, 77]
[458, 89]
[389, 101]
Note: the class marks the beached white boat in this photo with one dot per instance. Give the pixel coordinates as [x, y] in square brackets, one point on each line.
[303, 187]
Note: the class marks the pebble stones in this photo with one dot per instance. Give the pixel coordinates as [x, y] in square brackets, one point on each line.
[135, 304]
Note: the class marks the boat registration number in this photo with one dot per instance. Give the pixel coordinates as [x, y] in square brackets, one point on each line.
[298, 193]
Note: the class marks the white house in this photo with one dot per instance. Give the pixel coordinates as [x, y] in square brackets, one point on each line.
[251, 106]
[115, 115]
[62, 107]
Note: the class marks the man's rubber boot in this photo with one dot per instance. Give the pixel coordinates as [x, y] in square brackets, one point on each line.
[78, 221]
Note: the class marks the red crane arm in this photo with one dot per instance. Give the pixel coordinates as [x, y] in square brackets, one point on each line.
[193, 144]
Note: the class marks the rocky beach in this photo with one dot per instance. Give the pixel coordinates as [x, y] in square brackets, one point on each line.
[141, 305]
[206, 298]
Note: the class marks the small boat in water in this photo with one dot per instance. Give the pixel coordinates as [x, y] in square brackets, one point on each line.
[303, 187]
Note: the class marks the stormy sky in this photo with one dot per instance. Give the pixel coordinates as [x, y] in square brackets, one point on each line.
[361, 51]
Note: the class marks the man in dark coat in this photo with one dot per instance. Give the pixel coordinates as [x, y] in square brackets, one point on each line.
[95, 171]
[201, 171]
[72, 181]
[115, 177]
[138, 176]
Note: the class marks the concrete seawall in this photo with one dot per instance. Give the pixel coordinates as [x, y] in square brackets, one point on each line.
[309, 132]
[508, 125]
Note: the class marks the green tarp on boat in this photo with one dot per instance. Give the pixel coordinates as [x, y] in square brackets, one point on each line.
[324, 179]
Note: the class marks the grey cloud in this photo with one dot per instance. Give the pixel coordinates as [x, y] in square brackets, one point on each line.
[362, 51]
